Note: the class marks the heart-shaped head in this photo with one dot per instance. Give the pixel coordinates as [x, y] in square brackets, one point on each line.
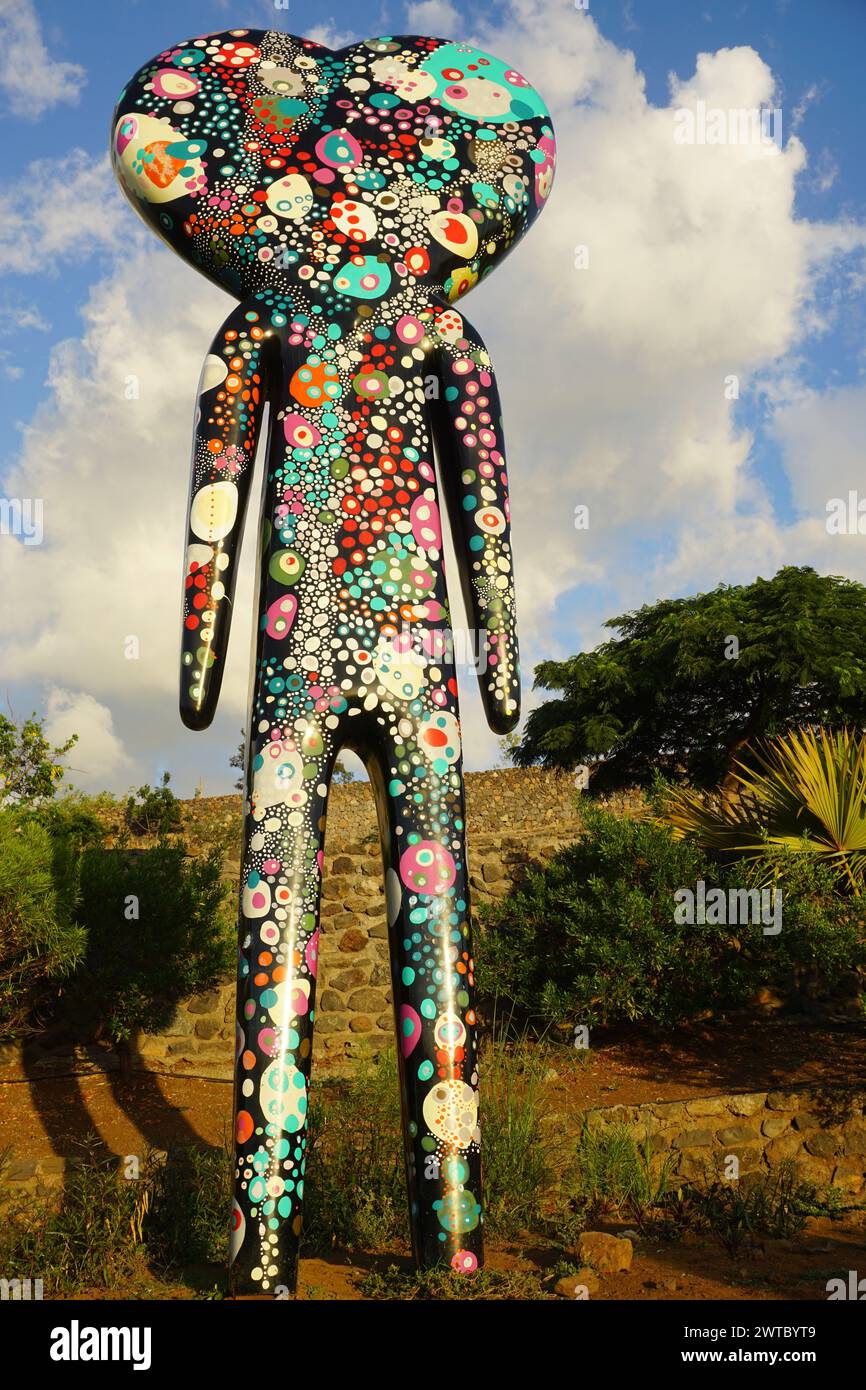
[334, 177]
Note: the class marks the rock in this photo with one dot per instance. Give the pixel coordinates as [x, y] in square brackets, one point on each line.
[786, 1146]
[343, 865]
[352, 940]
[714, 1105]
[749, 1159]
[332, 1023]
[204, 1003]
[748, 1104]
[207, 1028]
[783, 1100]
[338, 886]
[693, 1139]
[817, 1170]
[368, 1000]
[579, 1285]
[804, 1121]
[822, 1144]
[855, 1139]
[736, 1134]
[492, 871]
[774, 1125]
[849, 1176]
[331, 1000]
[20, 1168]
[607, 1254]
[361, 1024]
[353, 978]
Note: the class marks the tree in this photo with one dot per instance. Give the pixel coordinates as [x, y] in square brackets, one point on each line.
[239, 760]
[30, 768]
[154, 810]
[689, 682]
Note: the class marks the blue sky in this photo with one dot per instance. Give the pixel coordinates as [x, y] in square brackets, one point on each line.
[624, 390]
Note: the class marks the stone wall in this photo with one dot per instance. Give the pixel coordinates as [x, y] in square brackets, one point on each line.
[822, 1130]
[514, 817]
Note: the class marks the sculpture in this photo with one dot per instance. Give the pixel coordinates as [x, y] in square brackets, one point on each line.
[346, 200]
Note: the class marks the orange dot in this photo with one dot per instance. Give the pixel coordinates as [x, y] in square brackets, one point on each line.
[244, 1126]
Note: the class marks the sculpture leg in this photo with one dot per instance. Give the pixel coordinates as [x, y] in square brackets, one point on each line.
[422, 823]
[276, 995]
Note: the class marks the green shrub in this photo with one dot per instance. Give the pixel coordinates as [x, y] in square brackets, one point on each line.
[615, 1172]
[31, 769]
[592, 937]
[40, 941]
[154, 810]
[158, 929]
[91, 1238]
[443, 1285]
[739, 1215]
[517, 1156]
[355, 1183]
[187, 1220]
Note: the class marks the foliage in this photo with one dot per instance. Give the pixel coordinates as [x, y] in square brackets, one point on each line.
[592, 937]
[740, 1214]
[517, 1154]
[806, 791]
[30, 768]
[40, 940]
[443, 1285]
[673, 689]
[355, 1185]
[154, 810]
[157, 929]
[616, 1172]
[190, 1198]
[238, 759]
[342, 775]
[92, 1239]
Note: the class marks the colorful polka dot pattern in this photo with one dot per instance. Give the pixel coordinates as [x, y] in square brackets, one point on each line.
[347, 200]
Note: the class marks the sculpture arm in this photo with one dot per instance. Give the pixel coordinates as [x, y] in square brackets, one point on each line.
[231, 395]
[467, 421]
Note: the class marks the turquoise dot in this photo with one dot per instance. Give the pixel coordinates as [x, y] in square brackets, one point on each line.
[425, 1071]
[408, 975]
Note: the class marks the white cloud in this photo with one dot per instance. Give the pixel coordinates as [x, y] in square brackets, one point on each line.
[99, 756]
[62, 210]
[612, 381]
[614, 395]
[329, 36]
[438, 17]
[112, 475]
[18, 318]
[30, 79]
